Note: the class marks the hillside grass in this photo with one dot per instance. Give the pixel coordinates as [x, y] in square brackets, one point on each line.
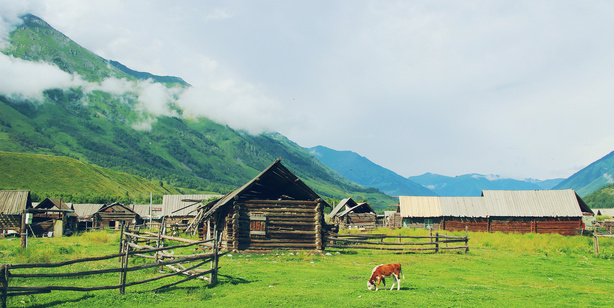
[503, 270]
[73, 180]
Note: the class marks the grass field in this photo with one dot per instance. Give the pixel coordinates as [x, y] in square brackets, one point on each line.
[500, 270]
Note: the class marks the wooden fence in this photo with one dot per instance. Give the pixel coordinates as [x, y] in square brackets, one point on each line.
[398, 243]
[130, 246]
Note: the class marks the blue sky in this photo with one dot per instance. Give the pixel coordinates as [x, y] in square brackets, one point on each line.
[520, 89]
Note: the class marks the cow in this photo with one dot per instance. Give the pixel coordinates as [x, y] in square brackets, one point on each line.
[382, 271]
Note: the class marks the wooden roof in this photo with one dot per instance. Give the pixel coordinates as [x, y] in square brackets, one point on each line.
[54, 204]
[276, 182]
[348, 205]
[13, 202]
[183, 205]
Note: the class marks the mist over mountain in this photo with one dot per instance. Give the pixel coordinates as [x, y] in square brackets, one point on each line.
[64, 100]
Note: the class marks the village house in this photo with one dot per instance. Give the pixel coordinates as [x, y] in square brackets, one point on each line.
[13, 204]
[275, 210]
[349, 214]
[52, 217]
[522, 211]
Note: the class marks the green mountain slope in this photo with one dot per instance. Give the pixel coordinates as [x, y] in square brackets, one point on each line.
[73, 180]
[109, 130]
[592, 178]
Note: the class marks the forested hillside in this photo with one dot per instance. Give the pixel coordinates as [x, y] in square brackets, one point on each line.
[91, 121]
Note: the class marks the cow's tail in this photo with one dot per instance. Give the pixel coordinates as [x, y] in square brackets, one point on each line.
[401, 273]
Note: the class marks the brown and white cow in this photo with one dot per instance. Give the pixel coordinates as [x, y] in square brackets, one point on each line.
[382, 271]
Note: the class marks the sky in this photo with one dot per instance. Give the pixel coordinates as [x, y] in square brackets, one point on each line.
[519, 89]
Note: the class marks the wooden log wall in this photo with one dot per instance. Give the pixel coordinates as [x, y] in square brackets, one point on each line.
[289, 225]
[563, 226]
[359, 220]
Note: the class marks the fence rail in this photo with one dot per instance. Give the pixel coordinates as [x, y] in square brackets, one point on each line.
[129, 246]
[401, 245]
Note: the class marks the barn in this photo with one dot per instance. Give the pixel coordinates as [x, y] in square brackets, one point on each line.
[522, 211]
[275, 210]
[13, 203]
[349, 214]
[85, 212]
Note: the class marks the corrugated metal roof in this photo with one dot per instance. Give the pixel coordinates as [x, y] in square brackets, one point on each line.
[463, 206]
[605, 212]
[143, 209]
[497, 203]
[14, 201]
[86, 209]
[532, 203]
[420, 206]
[173, 205]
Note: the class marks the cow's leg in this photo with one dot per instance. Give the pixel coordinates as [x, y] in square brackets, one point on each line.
[396, 281]
[378, 281]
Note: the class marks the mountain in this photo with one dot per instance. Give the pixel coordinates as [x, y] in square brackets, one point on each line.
[361, 170]
[87, 122]
[591, 178]
[364, 172]
[472, 184]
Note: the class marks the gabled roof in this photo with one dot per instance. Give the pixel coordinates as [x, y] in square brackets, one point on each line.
[348, 205]
[54, 204]
[114, 207]
[605, 212]
[276, 182]
[183, 205]
[13, 202]
[497, 203]
[535, 203]
[86, 209]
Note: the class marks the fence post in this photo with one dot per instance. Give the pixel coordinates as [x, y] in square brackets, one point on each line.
[4, 283]
[437, 242]
[466, 238]
[214, 262]
[122, 289]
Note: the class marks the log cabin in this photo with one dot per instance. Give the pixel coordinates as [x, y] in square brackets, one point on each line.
[275, 210]
[521, 211]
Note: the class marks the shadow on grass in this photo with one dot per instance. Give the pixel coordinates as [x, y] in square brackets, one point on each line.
[58, 302]
[222, 279]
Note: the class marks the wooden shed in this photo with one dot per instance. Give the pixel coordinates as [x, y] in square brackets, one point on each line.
[522, 211]
[13, 203]
[110, 216]
[349, 214]
[53, 217]
[275, 210]
[85, 213]
[181, 209]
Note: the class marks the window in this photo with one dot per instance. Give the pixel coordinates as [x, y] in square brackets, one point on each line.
[257, 224]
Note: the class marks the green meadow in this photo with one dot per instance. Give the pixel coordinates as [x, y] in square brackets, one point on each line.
[500, 270]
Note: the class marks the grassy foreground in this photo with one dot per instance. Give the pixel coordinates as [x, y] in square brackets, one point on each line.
[502, 270]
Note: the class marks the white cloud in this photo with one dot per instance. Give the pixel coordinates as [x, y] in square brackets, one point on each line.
[490, 87]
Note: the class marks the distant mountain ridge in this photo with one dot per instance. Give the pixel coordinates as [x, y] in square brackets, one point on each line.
[469, 185]
[364, 172]
[361, 170]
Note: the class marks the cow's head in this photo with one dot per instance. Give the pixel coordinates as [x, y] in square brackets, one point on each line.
[370, 285]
